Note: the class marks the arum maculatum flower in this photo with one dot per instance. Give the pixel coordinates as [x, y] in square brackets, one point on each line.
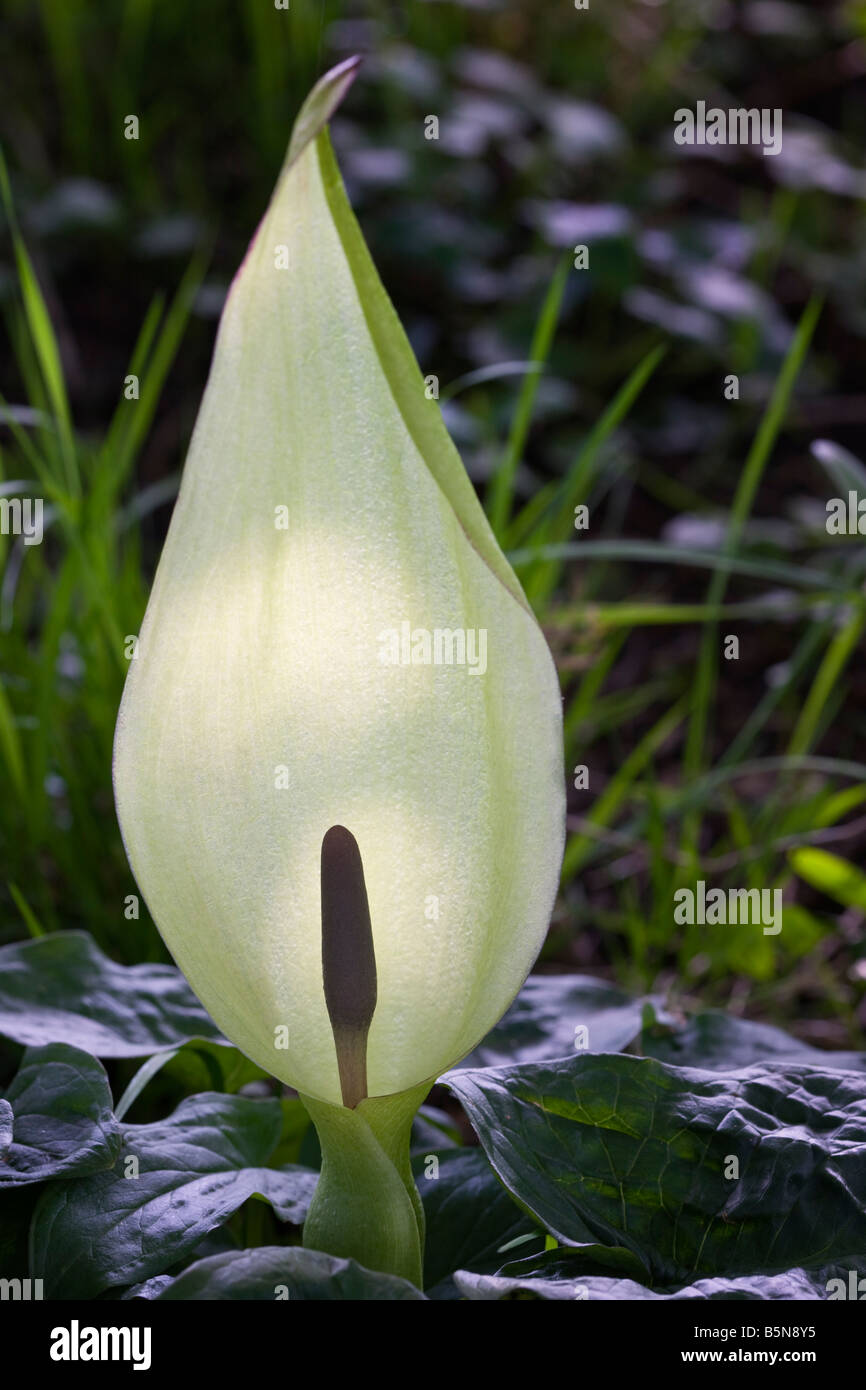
[338, 758]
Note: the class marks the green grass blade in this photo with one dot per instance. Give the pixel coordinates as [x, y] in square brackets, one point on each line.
[123, 444]
[10, 747]
[770, 700]
[605, 807]
[143, 344]
[590, 687]
[655, 552]
[31, 921]
[577, 481]
[836, 658]
[502, 484]
[707, 669]
[44, 340]
[614, 615]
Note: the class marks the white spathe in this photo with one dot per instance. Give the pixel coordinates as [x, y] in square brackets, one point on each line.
[260, 650]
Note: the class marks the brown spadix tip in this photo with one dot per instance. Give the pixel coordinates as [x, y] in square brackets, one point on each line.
[348, 959]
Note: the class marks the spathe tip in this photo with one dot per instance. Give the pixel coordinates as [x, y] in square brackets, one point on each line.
[321, 104]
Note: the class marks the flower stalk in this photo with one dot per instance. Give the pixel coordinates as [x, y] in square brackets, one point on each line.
[366, 1206]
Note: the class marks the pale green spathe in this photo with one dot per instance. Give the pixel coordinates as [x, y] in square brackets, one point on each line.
[260, 650]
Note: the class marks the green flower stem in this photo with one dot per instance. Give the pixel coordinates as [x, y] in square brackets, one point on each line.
[366, 1206]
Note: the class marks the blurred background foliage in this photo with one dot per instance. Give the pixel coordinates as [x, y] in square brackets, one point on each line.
[603, 386]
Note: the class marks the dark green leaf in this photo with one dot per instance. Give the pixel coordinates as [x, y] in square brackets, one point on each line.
[150, 1288]
[490, 1288]
[626, 1151]
[57, 1118]
[543, 1020]
[567, 1262]
[718, 1042]
[16, 1211]
[554, 1281]
[61, 988]
[275, 1273]
[174, 1181]
[470, 1217]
